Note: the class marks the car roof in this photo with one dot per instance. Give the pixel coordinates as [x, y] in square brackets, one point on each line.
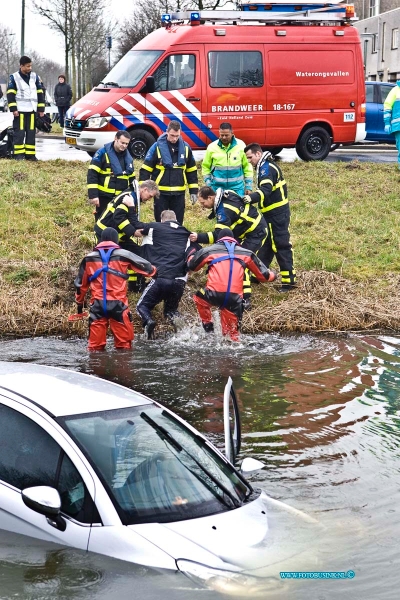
[380, 83]
[60, 392]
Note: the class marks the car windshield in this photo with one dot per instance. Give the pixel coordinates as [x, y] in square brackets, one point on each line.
[131, 68]
[155, 468]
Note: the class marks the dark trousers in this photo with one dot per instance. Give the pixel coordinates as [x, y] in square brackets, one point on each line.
[61, 114]
[24, 136]
[168, 290]
[254, 241]
[278, 244]
[174, 202]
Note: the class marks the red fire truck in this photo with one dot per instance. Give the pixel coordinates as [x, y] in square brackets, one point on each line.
[283, 75]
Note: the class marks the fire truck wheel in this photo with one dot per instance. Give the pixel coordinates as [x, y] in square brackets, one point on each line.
[140, 142]
[314, 144]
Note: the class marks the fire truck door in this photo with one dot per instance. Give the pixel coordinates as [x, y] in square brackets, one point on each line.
[237, 90]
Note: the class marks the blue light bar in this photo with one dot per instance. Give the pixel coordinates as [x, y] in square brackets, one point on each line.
[166, 18]
[195, 16]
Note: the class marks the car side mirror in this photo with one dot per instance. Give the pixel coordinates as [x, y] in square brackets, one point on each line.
[150, 85]
[42, 499]
[251, 464]
[46, 501]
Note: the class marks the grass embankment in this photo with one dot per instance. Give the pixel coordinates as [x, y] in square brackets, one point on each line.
[345, 232]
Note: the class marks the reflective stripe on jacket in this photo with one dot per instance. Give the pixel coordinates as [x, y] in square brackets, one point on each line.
[227, 167]
[243, 219]
[101, 181]
[391, 109]
[23, 96]
[271, 193]
[170, 180]
[121, 217]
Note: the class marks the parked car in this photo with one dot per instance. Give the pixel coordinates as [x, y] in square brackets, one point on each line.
[376, 93]
[51, 108]
[93, 465]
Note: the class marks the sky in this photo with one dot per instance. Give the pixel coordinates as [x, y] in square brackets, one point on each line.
[38, 35]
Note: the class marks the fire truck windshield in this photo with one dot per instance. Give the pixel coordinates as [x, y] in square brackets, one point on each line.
[131, 68]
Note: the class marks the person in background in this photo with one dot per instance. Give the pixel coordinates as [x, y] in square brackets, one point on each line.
[391, 115]
[165, 245]
[170, 163]
[110, 172]
[62, 98]
[225, 261]
[272, 200]
[104, 271]
[225, 164]
[25, 97]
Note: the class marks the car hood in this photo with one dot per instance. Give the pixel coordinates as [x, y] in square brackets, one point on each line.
[239, 540]
[98, 103]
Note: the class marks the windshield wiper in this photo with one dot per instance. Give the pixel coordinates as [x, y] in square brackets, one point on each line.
[110, 83]
[164, 434]
[202, 442]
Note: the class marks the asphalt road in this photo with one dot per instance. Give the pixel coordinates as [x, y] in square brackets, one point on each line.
[48, 149]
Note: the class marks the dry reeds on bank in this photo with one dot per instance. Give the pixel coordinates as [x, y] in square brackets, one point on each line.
[322, 302]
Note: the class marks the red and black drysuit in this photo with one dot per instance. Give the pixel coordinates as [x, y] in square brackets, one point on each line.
[105, 271]
[226, 262]
[246, 222]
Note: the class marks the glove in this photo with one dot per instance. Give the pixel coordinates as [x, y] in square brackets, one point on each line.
[388, 129]
[246, 199]
[80, 309]
[193, 198]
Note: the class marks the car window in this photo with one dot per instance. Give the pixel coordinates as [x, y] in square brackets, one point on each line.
[175, 73]
[155, 469]
[235, 69]
[31, 457]
[385, 89]
[369, 93]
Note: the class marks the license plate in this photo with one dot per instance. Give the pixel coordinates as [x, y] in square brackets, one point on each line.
[70, 141]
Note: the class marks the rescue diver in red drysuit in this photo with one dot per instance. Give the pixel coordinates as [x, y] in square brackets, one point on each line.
[226, 262]
[105, 271]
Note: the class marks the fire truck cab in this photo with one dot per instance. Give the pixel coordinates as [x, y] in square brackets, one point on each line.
[283, 75]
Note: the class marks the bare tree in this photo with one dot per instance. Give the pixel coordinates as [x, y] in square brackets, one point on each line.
[81, 22]
[146, 17]
[9, 57]
[47, 69]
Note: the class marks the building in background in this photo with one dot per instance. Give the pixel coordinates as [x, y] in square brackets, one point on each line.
[379, 27]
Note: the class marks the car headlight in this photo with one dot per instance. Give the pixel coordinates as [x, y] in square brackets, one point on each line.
[97, 122]
[228, 582]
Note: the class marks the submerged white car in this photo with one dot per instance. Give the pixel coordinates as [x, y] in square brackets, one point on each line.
[96, 466]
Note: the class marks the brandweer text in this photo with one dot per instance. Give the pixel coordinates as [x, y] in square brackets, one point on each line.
[237, 108]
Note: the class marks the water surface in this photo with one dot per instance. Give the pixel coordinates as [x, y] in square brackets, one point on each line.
[321, 413]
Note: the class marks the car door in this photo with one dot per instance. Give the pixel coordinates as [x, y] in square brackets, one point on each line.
[384, 89]
[232, 424]
[33, 452]
[372, 111]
